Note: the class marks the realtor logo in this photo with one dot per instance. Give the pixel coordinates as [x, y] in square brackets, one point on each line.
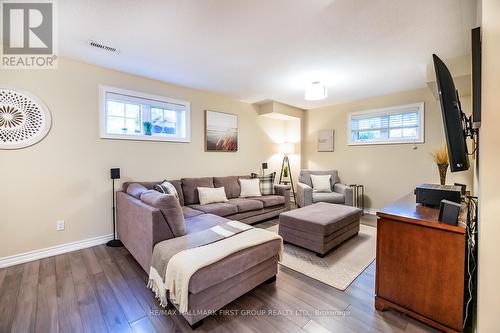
[28, 31]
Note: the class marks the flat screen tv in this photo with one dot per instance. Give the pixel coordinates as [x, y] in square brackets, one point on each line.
[453, 117]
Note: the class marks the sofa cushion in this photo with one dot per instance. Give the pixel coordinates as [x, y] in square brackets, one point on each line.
[233, 265]
[305, 176]
[332, 197]
[190, 212]
[190, 188]
[258, 215]
[270, 200]
[246, 205]
[169, 207]
[221, 208]
[230, 184]
[136, 190]
[203, 222]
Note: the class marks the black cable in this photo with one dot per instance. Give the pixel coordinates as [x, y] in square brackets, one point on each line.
[471, 233]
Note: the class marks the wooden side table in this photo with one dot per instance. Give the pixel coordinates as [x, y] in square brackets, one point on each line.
[420, 267]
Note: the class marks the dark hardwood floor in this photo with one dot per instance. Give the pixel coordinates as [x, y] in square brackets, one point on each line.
[103, 289]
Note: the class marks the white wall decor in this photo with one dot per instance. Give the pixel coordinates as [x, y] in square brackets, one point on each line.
[24, 119]
[325, 140]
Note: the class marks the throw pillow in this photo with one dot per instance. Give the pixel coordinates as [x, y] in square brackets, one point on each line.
[170, 209]
[250, 187]
[166, 188]
[136, 190]
[321, 183]
[266, 183]
[209, 195]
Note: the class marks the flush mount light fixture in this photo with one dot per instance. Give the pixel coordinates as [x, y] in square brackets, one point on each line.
[315, 92]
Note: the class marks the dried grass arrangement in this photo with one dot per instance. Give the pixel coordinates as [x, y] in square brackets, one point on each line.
[441, 155]
[441, 158]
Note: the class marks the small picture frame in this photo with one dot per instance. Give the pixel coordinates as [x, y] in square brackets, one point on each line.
[326, 140]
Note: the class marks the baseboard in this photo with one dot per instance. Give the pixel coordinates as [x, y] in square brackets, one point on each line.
[372, 211]
[53, 250]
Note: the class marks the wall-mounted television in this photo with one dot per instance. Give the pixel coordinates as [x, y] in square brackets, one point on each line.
[457, 126]
[452, 117]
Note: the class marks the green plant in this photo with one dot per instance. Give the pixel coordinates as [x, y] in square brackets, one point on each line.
[285, 171]
[147, 127]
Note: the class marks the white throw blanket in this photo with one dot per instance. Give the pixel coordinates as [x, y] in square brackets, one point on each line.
[184, 264]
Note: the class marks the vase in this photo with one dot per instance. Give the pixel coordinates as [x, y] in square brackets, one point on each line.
[443, 168]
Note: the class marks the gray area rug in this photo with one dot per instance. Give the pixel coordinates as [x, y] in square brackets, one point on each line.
[341, 266]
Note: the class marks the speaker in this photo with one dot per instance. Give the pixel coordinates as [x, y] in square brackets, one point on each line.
[476, 77]
[449, 211]
[115, 173]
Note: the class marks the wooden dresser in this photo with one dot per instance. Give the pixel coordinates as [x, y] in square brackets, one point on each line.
[420, 264]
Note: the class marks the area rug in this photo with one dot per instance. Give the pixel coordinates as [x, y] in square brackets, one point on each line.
[341, 266]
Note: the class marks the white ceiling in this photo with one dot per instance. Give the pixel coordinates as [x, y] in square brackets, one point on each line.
[257, 50]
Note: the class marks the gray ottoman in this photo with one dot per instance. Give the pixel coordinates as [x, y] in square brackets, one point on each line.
[319, 227]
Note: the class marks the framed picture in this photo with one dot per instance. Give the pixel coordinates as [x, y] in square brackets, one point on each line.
[325, 140]
[221, 131]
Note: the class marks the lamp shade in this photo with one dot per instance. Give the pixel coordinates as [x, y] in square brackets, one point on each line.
[286, 148]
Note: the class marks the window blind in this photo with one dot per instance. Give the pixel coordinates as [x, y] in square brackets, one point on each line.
[397, 124]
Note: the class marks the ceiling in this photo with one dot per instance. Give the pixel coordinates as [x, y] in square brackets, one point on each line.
[255, 50]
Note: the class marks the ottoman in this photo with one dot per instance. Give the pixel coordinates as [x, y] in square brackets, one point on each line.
[319, 227]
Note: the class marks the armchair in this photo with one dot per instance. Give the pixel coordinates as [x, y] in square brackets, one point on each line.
[341, 193]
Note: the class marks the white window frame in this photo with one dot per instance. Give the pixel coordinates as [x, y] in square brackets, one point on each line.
[135, 95]
[386, 111]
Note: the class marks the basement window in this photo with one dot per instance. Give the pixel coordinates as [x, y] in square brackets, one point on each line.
[131, 115]
[399, 124]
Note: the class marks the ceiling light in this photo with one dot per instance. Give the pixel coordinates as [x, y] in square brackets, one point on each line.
[315, 92]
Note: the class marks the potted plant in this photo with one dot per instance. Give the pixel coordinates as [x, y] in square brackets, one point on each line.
[441, 158]
[285, 172]
[147, 127]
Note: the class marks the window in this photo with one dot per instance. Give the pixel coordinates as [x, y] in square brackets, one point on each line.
[400, 124]
[132, 115]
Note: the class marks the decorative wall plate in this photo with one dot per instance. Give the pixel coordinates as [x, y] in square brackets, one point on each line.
[24, 119]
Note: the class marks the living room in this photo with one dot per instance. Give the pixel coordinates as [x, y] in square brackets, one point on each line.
[263, 100]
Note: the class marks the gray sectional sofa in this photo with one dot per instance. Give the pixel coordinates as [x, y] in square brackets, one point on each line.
[141, 224]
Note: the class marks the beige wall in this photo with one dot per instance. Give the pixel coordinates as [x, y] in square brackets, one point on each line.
[292, 121]
[66, 176]
[388, 172]
[489, 181]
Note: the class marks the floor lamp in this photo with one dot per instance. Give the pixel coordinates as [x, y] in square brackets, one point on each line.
[115, 174]
[286, 149]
